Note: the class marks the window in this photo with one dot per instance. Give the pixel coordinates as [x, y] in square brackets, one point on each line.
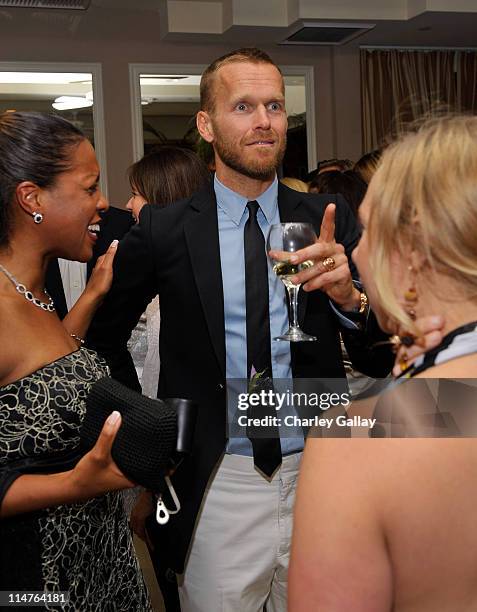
[72, 91]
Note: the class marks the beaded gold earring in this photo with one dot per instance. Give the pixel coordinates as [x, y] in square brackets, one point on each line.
[411, 296]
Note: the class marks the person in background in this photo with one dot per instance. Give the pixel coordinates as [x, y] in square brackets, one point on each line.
[165, 175]
[367, 165]
[327, 165]
[294, 183]
[63, 530]
[349, 184]
[160, 178]
[353, 189]
[381, 524]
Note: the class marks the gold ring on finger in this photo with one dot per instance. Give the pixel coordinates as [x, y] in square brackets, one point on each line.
[328, 264]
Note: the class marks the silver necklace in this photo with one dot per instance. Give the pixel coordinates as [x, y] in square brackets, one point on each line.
[28, 295]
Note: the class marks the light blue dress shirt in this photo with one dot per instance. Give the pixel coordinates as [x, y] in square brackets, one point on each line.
[232, 215]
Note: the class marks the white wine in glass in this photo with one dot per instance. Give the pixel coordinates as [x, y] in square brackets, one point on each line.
[288, 238]
[285, 270]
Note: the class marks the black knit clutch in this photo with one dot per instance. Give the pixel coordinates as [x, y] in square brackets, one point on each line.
[145, 445]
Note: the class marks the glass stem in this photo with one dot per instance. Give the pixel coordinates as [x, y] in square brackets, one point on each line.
[293, 295]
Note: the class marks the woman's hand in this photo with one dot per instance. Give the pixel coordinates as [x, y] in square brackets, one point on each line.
[431, 328]
[102, 275]
[143, 508]
[96, 473]
[79, 317]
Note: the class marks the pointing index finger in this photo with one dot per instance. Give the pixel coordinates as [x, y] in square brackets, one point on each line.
[327, 229]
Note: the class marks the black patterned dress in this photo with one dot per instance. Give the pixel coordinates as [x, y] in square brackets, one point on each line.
[83, 548]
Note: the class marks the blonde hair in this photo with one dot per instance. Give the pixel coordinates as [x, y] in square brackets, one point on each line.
[424, 199]
[295, 184]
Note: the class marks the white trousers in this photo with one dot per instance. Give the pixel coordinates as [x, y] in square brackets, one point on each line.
[238, 559]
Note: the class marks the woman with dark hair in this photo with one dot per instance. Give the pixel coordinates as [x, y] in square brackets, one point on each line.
[63, 530]
[349, 184]
[160, 178]
[164, 176]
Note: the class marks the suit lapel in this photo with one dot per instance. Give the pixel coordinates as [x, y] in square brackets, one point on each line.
[290, 205]
[292, 210]
[202, 239]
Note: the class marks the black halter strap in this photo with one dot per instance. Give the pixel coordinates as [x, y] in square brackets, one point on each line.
[431, 355]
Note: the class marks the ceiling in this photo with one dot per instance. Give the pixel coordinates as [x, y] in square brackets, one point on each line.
[428, 23]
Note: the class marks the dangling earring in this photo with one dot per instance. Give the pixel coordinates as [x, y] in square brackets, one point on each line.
[410, 299]
[37, 217]
[410, 296]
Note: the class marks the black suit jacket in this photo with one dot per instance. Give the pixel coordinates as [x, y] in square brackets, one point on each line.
[115, 222]
[174, 251]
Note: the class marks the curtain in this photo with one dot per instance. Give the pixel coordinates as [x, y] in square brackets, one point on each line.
[467, 82]
[401, 86]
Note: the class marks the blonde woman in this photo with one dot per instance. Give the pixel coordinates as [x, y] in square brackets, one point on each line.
[386, 525]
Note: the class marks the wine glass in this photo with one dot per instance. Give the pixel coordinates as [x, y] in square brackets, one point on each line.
[288, 238]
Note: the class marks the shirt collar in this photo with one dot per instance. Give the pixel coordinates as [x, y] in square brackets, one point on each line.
[233, 204]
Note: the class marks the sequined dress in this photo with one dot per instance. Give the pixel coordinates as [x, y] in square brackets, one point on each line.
[83, 548]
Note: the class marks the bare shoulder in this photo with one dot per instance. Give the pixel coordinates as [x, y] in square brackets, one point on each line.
[370, 510]
[30, 338]
[378, 470]
[354, 470]
[374, 454]
[338, 529]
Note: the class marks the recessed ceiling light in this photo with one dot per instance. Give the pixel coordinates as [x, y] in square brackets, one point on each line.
[71, 102]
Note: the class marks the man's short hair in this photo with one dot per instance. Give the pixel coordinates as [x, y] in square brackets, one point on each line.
[247, 54]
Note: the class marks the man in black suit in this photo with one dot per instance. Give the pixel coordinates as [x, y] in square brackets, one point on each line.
[219, 310]
[115, 223]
